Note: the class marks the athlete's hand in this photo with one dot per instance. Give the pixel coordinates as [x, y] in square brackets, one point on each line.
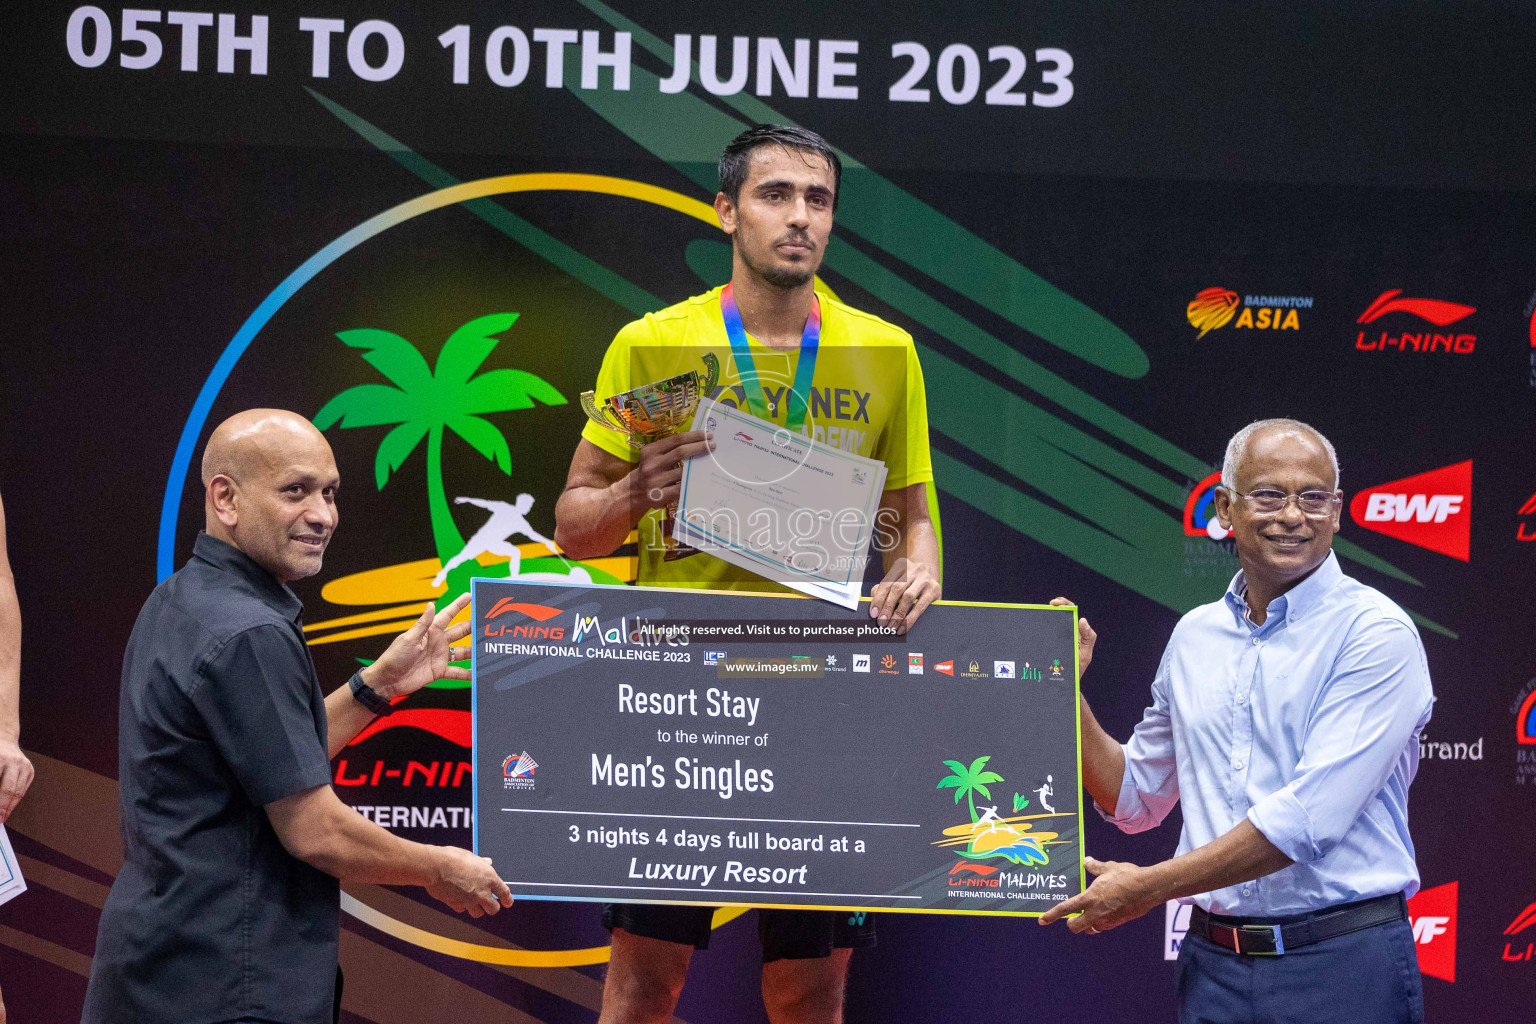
[422, 653]
[1086, 637]
[657, 478]
[468, 883]
[905, 593]
[15, 777]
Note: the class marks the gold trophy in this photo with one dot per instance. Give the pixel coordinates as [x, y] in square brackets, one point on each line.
[652, 411]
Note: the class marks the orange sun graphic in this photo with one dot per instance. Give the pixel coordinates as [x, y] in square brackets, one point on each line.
[1211, 309]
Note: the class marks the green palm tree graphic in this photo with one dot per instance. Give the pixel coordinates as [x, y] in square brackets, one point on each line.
[968, 782]
[425, 402]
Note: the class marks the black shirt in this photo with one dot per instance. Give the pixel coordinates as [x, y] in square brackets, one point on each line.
[221, 714]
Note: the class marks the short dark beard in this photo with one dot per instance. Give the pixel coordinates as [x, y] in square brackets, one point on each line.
[786, 279]
[778, 277]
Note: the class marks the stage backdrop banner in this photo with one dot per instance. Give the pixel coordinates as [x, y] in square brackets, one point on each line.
[1117, 233]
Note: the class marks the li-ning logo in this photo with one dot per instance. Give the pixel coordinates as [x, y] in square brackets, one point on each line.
[983, 876]
[1432, 510]
[1523, 920]
[1527, 511]
[542, 613]
[1434, 311]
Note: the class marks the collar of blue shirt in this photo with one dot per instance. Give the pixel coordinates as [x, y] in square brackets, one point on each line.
[1294, 603]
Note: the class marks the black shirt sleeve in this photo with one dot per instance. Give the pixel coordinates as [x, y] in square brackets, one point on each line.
[258, 698]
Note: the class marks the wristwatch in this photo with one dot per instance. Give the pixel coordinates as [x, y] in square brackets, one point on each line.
[367, 697]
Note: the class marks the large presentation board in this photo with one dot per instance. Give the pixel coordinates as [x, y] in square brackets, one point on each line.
[678, 746]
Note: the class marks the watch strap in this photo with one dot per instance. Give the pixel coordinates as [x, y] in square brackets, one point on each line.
[368, 697]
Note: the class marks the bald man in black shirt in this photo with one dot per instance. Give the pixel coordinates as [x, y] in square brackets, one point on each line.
[227, 906]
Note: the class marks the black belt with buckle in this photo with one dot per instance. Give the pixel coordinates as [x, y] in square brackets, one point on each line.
[1257, 936]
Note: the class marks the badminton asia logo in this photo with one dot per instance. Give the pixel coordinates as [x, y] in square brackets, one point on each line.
[1435, 312]
[1214, 308]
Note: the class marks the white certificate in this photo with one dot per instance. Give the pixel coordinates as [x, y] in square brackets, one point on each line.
[780, 504]
[11, 882]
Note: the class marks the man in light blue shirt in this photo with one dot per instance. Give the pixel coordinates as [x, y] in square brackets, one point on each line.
[1286, 718]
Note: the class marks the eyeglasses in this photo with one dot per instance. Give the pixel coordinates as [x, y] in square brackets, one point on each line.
[1269, 502]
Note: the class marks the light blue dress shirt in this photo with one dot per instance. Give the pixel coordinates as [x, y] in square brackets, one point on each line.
[1307, 726]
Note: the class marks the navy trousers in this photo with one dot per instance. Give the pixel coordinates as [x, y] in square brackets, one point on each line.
[1366, 977]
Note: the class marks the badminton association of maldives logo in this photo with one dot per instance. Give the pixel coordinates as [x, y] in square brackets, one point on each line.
[517, 771]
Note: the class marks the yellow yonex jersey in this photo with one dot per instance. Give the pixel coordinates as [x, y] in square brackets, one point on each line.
[867, 397]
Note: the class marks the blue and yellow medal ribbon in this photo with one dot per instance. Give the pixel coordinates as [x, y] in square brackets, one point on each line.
[805, 367]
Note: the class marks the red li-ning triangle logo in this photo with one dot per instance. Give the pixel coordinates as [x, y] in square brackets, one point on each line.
[1432, 510]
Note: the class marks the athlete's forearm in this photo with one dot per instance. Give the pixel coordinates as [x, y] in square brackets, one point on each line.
[10, 646]
[594, 521]
[919, 546]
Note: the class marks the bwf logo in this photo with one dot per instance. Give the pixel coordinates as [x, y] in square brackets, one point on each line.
[1433, 916]
[1420, 508]
[1431, 510]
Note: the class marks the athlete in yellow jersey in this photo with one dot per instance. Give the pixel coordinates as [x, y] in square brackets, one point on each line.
[778, 190]
[866, 397]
